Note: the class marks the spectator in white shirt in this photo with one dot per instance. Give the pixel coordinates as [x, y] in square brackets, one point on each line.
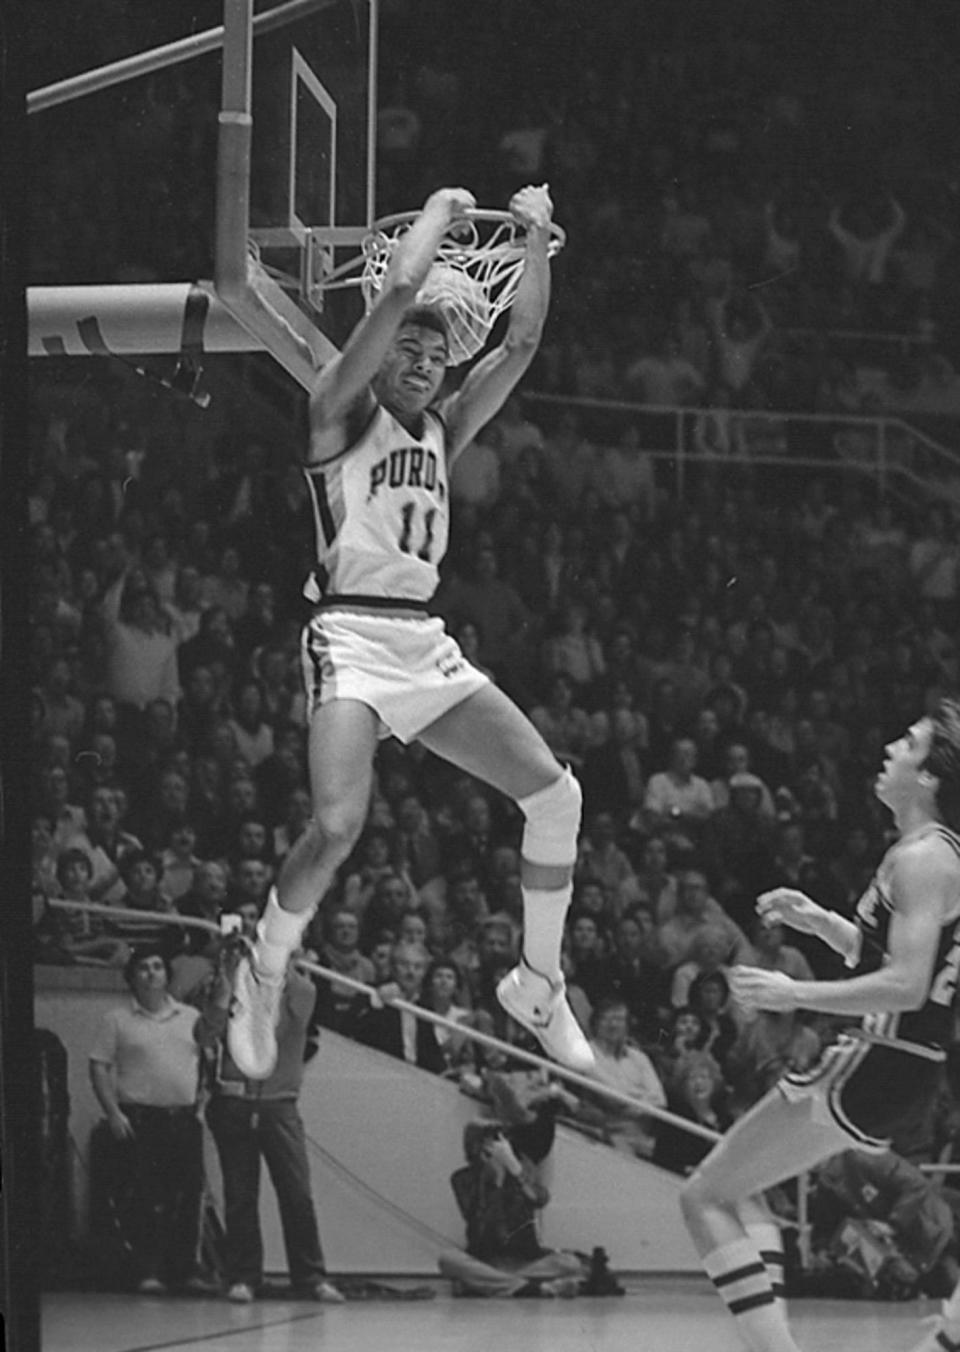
[677, 798]
[141, 655]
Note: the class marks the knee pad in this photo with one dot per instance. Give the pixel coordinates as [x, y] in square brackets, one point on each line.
[553, 822]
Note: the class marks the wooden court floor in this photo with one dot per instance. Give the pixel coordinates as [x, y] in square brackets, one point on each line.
[658, 1314]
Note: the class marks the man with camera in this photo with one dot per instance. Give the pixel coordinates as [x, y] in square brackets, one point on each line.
[499, 1196]
[254, 1120]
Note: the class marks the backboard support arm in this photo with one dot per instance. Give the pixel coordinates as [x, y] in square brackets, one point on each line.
[256, 301]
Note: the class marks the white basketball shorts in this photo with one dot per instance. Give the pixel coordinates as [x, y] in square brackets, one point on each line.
[406, 668]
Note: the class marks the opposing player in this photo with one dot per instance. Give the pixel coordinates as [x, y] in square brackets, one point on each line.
[375, 662]
[904, 953]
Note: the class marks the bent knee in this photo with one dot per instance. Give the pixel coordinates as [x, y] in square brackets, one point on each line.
[552, 822]
[334, 830]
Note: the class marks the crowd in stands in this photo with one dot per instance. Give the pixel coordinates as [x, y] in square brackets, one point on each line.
[733, 186]
[721, 673]
[721, 669]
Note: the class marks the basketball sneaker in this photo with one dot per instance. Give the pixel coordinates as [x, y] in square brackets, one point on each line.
[251, 1029]
[540, 1006]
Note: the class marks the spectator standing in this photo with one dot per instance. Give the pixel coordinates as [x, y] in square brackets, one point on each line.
[144, 1069]
[141, 655]
[254, 1120]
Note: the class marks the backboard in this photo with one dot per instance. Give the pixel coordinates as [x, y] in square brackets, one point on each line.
[312, 184]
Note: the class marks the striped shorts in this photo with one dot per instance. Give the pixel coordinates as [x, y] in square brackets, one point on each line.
[870, 1090]
[406, 667]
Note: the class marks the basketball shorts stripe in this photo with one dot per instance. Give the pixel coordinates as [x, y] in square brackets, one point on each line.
[406, 668]
[870, 1091]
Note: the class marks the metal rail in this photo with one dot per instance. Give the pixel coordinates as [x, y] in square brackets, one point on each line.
[426, 1015]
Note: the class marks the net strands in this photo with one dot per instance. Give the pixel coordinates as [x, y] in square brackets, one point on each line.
[418, 1011]
[474, 279]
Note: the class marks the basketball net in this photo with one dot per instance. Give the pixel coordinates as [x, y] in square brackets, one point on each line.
[474, 279]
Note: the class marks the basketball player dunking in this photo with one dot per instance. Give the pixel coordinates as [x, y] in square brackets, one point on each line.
[375, 662]
[904, 952]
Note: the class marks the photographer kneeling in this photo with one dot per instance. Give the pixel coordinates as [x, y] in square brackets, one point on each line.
[499, 1196]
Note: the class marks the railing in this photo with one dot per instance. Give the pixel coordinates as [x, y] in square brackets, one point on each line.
[485, 1039]
[887, 449]
[425, 1015]
[889, 341]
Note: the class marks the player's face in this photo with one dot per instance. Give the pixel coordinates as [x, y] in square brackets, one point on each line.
[901, 767]
[411, 376]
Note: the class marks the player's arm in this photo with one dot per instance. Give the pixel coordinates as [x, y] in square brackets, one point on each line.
[923, 883]
[787, 906]
[485, 389]
[345, 380]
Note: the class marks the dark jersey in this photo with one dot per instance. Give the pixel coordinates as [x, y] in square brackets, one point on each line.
[932, 1024]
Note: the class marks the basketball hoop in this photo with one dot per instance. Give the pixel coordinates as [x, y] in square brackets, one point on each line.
[474, 279]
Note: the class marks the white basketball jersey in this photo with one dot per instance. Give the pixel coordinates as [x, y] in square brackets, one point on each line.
[381, 513]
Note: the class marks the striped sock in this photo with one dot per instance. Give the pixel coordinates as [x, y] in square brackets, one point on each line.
[766, 1237]
[740, 1276]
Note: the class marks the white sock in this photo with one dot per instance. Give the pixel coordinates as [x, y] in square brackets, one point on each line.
[766, 1237]
[740, 1276]
[544, 916]
[951, 1307]
[279, 933]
